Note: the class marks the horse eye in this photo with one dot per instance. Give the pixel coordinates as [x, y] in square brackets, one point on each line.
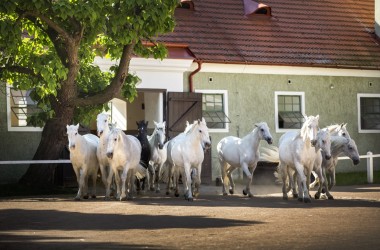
[76, 133]
[344, 134]
[262, 130]
[200, 131]
[323, 141]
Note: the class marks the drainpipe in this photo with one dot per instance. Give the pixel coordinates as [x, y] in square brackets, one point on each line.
[191, 87]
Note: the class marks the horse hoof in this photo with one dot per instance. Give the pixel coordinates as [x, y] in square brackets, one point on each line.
[285, 198]
[107, 198]
[176, 194]
[77, 199]
[152, 189]
[300, 199]
[231, 191]
[250, 195]
[93, 196]
[330, 197]
[317, 196]
[129, 198]
[307, 200]
[295, 195]
[158, 191]
[85, 197]
[167, 193]
[225, 193]
[190, 199]
[244, 192]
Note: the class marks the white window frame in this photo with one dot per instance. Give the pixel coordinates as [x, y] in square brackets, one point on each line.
[360, 95]
[9, 115]
[278, 93]
[225, 107]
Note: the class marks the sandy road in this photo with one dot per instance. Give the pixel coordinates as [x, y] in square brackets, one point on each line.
[351, 221]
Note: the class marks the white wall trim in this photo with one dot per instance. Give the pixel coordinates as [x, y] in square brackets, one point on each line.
[225, 101]
[283, 70]
[359, 95]
[277, 93]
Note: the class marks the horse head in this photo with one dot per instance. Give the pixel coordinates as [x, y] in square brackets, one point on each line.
[323, 142]
[264, 133]
[114, 138]
[339, 130]
[352, 151]
[159, 131]
[202, 128]
[309, 129]
[102, 123]
[142, 127]
[72, 134]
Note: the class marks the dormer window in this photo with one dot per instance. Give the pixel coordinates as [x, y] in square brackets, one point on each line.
[186, 4]
[254, 8]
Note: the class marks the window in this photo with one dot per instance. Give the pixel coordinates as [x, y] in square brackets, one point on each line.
[289, 110]
[19, 107]
[215, 109]
[369, 113]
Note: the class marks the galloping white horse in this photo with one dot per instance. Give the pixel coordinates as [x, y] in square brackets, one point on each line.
[102, 125]
[234, 152]
[339, 146]
[188, 152]
[158, 153]
[84, 160]
[297, 151]
[124, 152]
[335, 130]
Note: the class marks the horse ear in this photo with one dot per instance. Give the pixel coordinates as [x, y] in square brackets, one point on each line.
[146, 124]
[256, 125]
[77, 126]
[164, 124]
[203, 120]
[155, 123]
[317, 117]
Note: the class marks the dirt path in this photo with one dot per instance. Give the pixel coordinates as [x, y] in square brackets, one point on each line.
[351, 221]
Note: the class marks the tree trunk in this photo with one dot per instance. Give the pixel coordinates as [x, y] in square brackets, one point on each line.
[52, 143]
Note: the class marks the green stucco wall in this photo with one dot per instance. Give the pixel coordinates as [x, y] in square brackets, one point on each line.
[251, 99]
[14, 146]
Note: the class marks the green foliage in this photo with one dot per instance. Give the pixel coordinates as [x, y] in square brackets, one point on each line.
[42, 41]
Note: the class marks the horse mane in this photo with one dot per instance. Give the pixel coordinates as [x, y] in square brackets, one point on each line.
[336, 127]
[305, 126]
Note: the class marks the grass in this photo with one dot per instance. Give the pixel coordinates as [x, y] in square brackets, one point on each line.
[7, 190]
[16, 189]
[356, 178]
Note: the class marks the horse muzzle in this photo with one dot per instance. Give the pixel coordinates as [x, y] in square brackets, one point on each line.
[100, 133]
[356, 161]
[327, 157]
[313, 143]
[269, 140]
[160, 146]
[109, 155]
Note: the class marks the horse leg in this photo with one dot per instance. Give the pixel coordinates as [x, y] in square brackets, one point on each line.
[94, 177]
[187, 183]
[123, 196]
[103, 172]
[170, 175]
[223, 170]
[117, 181]
[293, 184]
[77, 174]
[302, 183]
[110, 180]
[282, 169]
[231, 180]
[198, 181]
[247, 190]
[157, 178]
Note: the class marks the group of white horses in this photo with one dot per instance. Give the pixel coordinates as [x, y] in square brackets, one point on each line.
[117, 155]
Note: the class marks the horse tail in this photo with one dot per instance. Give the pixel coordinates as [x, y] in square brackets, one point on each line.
[164, 173]
[140, 171]
[277, 174]
[269, 154]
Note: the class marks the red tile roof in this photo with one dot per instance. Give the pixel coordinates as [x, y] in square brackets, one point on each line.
[321, 33]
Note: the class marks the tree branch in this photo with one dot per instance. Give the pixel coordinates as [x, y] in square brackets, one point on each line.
[51, 24]
[21, 70]
[116, 85]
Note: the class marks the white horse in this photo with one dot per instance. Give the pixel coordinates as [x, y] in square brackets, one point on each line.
[188, 152]
[103, 129]
[158, 153]
[339, 146]
[124, 152]
[297, 151]
[169, 174]
[234, 152]
[84, 160]
[335, 130]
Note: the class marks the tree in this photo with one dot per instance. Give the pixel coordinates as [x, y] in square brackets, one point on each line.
[48, 46]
